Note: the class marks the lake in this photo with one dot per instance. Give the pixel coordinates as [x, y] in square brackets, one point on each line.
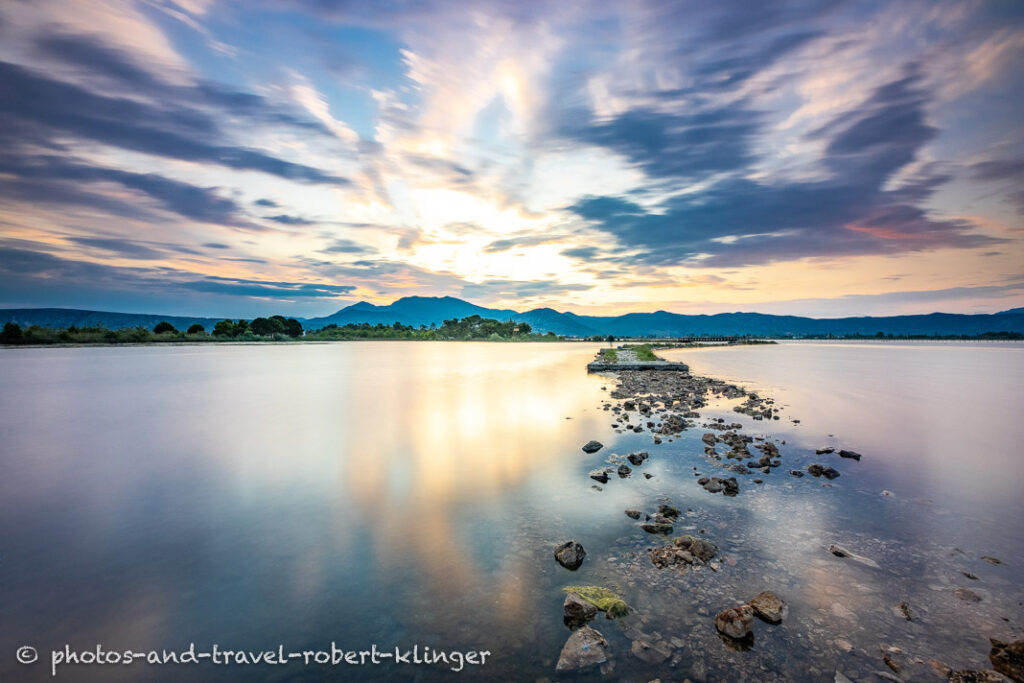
[403, 494]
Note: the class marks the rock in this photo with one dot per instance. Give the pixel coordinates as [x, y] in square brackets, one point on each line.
[637, 458]
[599, 475]
[840, 551]
[658, 525]
[633, 514]
[629, 404]
[849, 454]
[815, 470]
[624, 471]
[824, 451]
[905, 610]
[967, 595]
[668, 511]
[1008, 658]
[577, 611]
[830, 473]
[769, 607]
[735, 622]
[592, 446]
[970, 576]
[584, 648]
[731, 486]
[709, 439]
[570, 555]
[701, 548]
[652, 654]
[986, 676]
[796, 473]
[648, 475]
[991, 560]
[605, 600]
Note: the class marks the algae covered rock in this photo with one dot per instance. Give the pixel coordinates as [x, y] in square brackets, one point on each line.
[601, 598]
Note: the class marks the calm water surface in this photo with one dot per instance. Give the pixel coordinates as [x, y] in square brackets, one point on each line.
[411, 493]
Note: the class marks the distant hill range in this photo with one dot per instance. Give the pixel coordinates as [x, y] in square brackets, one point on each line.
[418, 311]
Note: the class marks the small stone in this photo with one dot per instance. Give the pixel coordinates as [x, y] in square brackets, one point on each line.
[633, 514]
[735, 622]
[592, 446]
[907, 614]
[600, 476]
[991, 560]
[853, 455]
[986, 676]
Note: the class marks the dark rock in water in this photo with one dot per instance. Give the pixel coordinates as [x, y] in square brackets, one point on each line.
[592, 446]
[731, 486]
[584, 648]
[991, 560]
[839, 551]
[652, 654]
[849, 454]
[987, 676]
[624, 471]
[796, 473]
[713, 486]
[737, 468]
[577, 611]
[629, 404]
[905, 610]
[636, 459]
[668, 511]
[599, 475]
[633, 514]
[970, 576]
[824, 451]
[830, 473]
[570, 555]
[967, 595]
[648, 475]
[703, 480]
[769, 607]
[709, 439]
[1008, 658]
[815, 470]
[735, 622]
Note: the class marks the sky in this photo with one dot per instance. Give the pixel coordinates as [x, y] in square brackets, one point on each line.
[198, 157]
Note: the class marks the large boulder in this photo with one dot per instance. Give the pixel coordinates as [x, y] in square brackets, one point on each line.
[570, 555]
[585, 648]
[735, 622]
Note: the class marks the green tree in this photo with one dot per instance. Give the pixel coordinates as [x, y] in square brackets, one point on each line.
[164, 326]
[224, 328]
[196, 328]
[266, 327]
[11, 334]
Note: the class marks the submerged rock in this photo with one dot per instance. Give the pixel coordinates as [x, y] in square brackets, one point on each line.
[599, 475]
[584, 648]
[657, 524]
[967, 595]
[796, 473]
[652, 654]
[637, 458]
[1008, 658]
[592, 446]
[624, 471]
[769, 607]
[854, 455]
[570, 555]
[735, 622]
[633, 514]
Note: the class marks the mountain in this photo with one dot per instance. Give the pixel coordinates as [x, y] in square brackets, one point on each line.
[425, 310]
[419, 310]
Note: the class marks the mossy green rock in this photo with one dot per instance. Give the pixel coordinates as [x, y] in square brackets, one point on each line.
[601, 598]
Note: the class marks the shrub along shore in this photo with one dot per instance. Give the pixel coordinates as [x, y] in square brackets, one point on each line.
[275, 329]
